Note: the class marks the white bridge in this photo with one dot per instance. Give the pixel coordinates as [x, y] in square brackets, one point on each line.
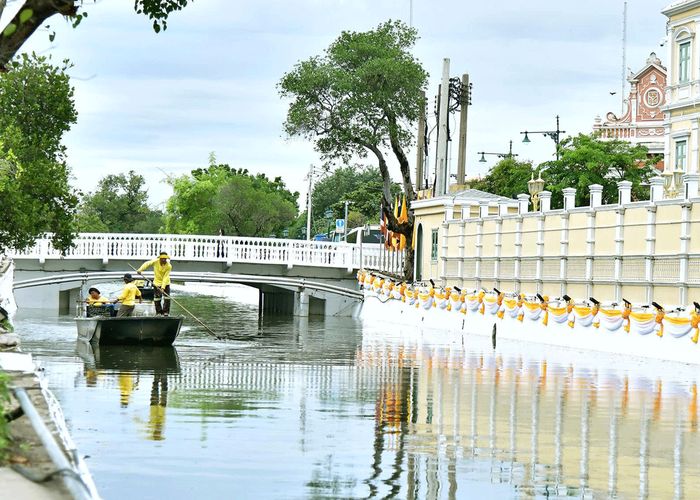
[292, 275]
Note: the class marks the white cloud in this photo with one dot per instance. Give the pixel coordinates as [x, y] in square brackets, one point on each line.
[164, 101]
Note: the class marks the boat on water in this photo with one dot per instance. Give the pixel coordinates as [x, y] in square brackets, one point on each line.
[97, 326]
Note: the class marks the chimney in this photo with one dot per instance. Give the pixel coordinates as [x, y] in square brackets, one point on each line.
[596, 191]
[624, 192]
[545, 201]
[523, 203]
[569, 198]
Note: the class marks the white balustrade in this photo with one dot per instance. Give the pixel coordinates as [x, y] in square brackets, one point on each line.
[227, 249]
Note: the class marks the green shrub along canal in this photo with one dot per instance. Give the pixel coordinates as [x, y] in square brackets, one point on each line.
[337, 408]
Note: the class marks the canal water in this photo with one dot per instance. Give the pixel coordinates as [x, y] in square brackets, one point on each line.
[340, 408]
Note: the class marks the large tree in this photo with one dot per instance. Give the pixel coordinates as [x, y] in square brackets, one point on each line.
[33, 14]
[587, 159]
[119, 205]
[220, 197]
[36, 109]
[362, 97]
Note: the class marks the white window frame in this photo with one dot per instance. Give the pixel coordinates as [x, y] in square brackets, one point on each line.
[684, 66]
[434, 244]
[681, 145]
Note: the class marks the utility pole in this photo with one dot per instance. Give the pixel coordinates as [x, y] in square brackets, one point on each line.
[623, 76]
[464, 107]
[442, 173]
[420, 147]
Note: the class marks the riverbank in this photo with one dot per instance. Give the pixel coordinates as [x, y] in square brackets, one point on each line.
[27, 469]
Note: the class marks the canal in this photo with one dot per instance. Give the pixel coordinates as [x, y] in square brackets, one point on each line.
[338, 408]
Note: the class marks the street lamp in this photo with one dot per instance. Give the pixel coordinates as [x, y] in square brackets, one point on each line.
[328, 214]
[552, 134]
[535, 187]
[509, 154]
[672, 182]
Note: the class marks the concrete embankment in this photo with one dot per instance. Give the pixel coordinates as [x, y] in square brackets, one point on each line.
[40, 461]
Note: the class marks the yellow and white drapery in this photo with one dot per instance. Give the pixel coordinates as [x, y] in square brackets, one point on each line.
[442, 300]
[679, 327]
[491, 305]
[509, 307]
[473, 301]
[581, 315]
[559, 314]
[642, 323]
[456, 302]
[532, 310]
[610, 319]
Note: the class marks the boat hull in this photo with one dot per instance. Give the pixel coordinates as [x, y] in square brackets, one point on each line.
[132, 330]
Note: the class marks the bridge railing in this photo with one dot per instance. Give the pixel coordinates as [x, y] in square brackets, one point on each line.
[228, 249]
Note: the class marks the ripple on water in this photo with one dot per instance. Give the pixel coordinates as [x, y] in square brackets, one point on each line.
[313, 407]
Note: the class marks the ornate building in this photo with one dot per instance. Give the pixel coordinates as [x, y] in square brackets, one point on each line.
[682, 115]
[643, 121]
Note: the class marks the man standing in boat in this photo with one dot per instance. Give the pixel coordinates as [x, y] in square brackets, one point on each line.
[161, 282]
[128, 297]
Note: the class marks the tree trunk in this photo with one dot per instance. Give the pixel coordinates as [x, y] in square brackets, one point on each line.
[41, 11]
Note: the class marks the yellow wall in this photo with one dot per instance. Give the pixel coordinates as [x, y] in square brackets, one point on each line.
[605, 232]
[634, 235]
[668, 229]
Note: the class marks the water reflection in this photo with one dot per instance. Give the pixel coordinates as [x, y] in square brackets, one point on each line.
[127, 364]
[544, 428]
[299, 408]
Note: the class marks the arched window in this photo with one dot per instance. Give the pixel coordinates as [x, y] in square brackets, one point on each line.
[683, 38]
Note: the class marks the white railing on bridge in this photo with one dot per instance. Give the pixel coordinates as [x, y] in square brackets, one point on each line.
[228, 249]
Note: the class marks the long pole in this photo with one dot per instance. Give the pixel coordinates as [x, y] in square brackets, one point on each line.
[218, 337]
[420, 147]
[442, 172]
[345, 234]
[463, 112]
[308, 203]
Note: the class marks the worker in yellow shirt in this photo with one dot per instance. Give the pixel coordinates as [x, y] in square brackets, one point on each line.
[128, 297]
[161, 282]
[95, 299]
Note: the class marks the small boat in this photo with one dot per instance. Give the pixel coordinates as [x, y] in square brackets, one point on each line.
[97, 326]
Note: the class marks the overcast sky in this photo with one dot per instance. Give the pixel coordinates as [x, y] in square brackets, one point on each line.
[160, 103]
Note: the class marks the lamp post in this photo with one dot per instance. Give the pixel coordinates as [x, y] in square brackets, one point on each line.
[509, 154]
[672, 182]
[328, 214]
[552, 134]
[535, 187]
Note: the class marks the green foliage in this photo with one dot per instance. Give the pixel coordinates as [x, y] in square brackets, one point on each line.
[219, 197]
[362, 96]
[586, 160]
[119, 205]
[37, 106]
[159, 10]
[4, 431]
[37, 98]
[362, 187]
[507, 178]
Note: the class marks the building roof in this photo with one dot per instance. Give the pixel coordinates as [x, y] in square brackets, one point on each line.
[478, 195]
[678, 6]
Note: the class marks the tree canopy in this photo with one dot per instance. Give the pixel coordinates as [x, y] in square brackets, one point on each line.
[362, 187]
[33, 14]
[586, 159]
[508, 178]
[233, 200]
[119, 205]
[583, 160]
[37, 108]
[362, 97]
